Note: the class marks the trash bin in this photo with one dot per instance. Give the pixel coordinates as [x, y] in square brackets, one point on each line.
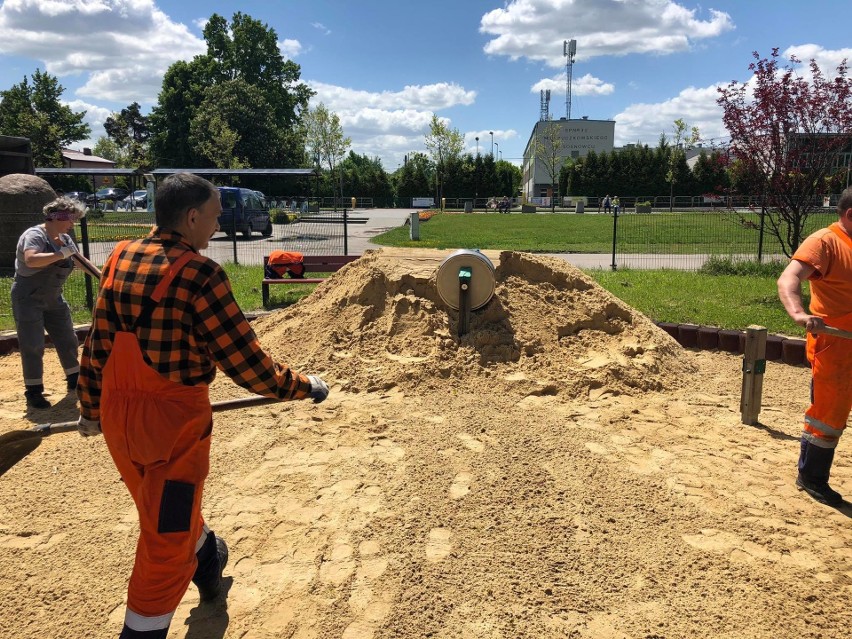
[468, 207]
[580, 207]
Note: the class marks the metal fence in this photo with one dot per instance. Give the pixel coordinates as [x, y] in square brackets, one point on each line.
[323, 232]
[687, 240]
[684, 240]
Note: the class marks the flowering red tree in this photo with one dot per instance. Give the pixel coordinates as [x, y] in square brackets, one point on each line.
[789, 135]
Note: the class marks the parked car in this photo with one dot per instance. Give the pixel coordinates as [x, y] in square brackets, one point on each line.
[107, 194]
[136, 200]
[80, 196]
[243, 212]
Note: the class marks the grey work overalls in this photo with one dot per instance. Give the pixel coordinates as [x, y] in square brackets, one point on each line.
[38, 306]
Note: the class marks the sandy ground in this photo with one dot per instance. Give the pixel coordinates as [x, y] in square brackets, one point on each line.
[565, 470]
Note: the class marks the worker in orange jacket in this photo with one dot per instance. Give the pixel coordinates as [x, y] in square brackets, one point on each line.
[825, 260]
[165, 319]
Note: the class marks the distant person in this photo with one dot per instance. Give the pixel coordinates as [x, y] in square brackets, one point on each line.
[165, 321]
[607, 205]
[504, 205]
[42, 265]
[616, 204]
[825, 260]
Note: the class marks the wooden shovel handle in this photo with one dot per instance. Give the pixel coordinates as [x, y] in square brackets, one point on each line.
[218, 407]
[830, 330]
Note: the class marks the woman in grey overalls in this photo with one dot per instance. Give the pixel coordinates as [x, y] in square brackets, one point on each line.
[42, 264]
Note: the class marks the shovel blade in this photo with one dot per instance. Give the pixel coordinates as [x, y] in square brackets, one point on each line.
[16, 445]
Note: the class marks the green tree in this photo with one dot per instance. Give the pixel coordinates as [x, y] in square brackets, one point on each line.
[365, 177]
[509, 178]
[108, 149]
[33, 111]
[414, 177]
[324, 140]
[243, 58]
[547, 149]
[678, 171]
[710, 174]
[787, 133]
[130, 131]
[239, 111]
[443, 144]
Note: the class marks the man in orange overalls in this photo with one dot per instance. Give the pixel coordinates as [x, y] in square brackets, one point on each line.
[825, 260]
[165, 319]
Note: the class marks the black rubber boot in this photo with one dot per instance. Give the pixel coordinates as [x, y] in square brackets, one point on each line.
[127, 633]
[814, 470]
[72, 381]
[35, 397]
[212, 559]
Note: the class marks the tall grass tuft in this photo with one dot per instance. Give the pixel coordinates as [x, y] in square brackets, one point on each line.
[718, 265]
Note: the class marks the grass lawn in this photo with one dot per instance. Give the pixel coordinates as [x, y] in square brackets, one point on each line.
[722, 233]
[725, 300]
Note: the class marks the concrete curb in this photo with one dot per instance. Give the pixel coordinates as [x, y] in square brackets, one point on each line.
[789, 350]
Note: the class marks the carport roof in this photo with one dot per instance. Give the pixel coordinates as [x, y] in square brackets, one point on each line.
[85, 171]
[283, 172]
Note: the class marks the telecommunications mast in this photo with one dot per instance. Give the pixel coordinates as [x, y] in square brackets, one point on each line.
[569, 50]
[544, 113]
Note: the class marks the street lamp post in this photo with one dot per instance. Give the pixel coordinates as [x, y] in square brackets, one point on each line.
[497, 144]
[477, 146]
[491, 133]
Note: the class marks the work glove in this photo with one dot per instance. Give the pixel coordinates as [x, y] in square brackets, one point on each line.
[88, 427]
[319, 389]
[68, 251]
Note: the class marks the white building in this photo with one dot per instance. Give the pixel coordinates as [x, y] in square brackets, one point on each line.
[577, 138]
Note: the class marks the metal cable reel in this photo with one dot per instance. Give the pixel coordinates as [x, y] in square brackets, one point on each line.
[465, 282]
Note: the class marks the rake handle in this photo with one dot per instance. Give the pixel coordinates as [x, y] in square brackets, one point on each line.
[228, 404]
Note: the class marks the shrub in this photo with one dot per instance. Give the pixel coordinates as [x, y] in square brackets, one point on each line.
[94, 214]
[718, 265]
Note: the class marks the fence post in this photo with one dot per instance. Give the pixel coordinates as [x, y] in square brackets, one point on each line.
[614, 235]
[84, 239]
[346, 232]
[760, 232]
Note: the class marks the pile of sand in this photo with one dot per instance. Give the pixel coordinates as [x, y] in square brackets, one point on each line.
[379, 324]
[564, 470]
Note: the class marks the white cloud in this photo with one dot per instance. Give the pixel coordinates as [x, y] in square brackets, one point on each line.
[827, 59]
[697, 107]
[143, 38]
[319, 26]
[95, 118]
[432, 97]
[289, 48]
[587, 85]
[536, 29]
[389, 124]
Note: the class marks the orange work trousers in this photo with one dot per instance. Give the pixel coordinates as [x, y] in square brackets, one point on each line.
[831, 385]
[158, 433]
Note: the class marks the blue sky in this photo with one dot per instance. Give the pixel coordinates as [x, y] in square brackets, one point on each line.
[386, 66]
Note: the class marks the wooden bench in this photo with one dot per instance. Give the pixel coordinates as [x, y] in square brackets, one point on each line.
[313, 263]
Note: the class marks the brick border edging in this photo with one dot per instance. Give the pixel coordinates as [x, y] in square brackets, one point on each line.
[779, 348]
[790, 350]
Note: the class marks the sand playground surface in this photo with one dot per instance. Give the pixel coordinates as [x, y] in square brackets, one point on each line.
[564, 470]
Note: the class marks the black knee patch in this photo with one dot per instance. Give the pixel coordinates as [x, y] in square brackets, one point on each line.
[176, 507]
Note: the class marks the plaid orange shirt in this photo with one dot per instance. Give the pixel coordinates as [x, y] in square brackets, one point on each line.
[196, 327]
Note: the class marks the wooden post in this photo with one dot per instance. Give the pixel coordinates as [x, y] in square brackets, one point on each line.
[754, 365]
